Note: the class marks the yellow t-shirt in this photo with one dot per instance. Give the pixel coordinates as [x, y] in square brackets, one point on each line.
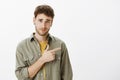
[43, 46]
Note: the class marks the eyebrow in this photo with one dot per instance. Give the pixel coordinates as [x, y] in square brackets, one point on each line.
[46, 19]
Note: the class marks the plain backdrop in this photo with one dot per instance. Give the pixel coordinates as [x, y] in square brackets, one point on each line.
[90, 29]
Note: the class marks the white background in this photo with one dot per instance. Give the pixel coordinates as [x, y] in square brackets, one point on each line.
[90, 29]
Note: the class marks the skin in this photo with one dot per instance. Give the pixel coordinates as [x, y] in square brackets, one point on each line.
[42, 24]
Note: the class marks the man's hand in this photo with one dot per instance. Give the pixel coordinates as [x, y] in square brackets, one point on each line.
[49, 55]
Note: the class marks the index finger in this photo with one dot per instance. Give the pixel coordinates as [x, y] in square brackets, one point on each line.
[56, 49]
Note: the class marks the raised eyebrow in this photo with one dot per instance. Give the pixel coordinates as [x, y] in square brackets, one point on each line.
[45, 20]
[48, 20]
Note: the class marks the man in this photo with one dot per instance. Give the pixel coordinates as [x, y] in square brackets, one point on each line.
[42, 56]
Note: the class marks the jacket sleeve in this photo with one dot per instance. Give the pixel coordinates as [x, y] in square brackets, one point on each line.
[66, 68]
[21, 66]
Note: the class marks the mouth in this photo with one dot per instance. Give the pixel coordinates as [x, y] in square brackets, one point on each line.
[43, 30]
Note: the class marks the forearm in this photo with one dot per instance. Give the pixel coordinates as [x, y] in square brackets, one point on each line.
[46, 57]
[33, 69]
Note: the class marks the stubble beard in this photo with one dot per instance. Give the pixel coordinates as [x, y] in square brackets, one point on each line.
[46, 33]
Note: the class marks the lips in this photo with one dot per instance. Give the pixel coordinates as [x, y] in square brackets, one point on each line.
[43, 30]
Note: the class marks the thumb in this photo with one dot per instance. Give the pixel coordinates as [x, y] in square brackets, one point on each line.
[47, 48]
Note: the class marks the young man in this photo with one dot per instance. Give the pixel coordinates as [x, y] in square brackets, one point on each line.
[42, 56]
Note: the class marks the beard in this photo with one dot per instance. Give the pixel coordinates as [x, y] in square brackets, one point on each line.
[42, 34]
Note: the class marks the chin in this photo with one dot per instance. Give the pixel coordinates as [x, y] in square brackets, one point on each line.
[43, 34]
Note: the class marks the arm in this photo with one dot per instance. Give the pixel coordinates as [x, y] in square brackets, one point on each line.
[21, 66]
[46, 57]
[66, 69]
[33, 69]
[23, 71]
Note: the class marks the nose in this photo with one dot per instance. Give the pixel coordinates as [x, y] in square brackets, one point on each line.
[43, 25]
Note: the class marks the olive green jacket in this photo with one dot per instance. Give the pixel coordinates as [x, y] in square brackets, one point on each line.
[28, 52]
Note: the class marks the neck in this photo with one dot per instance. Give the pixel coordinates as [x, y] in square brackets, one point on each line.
[41, 38]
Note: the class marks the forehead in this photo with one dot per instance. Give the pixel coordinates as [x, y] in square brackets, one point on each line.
[43, 16]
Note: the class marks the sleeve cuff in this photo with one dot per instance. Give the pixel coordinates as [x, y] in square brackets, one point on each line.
[26, 73]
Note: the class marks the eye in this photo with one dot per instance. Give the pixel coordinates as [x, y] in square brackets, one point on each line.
[48, 21]
[40, 20]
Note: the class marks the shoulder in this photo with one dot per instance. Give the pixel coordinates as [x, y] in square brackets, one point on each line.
[23, 43]
[58, 41]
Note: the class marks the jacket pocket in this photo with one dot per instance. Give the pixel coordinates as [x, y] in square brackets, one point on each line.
[32, 59]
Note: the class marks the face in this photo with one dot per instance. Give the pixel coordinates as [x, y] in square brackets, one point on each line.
[42, 24]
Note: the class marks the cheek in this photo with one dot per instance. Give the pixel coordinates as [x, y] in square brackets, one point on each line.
[48, 27]
[37, 25]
